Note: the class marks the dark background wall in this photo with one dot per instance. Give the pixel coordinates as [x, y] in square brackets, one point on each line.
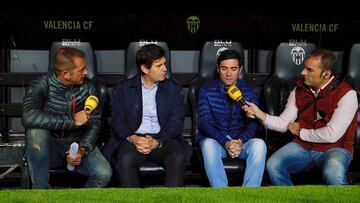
[110, 27]
[113, 27]
[27, 31]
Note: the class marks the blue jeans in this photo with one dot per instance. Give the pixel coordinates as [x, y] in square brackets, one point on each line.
[292, 158]
[43, 150]
[253, 151]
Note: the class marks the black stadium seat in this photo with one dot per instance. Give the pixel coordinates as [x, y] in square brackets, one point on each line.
[207, 72]
[103, 97]
[130, 55]
[353, 77]
[287, 66]
[288, 62]
[83, 46]
[91, 64]
[148, 168]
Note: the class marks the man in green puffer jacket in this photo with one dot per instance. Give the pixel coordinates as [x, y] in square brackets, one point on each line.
[54, 117]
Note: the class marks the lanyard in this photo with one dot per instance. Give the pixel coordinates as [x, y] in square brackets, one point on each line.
[73, 105]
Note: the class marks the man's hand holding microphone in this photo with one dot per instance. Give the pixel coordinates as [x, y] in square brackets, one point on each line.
[82, 117]
[253, 111]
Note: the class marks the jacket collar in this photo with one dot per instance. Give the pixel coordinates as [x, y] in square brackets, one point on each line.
[56, 82]
[221, 85]
[136, 82]
[60, 86]
[328, 87]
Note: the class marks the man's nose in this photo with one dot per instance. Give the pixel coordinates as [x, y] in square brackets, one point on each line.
[303, 72]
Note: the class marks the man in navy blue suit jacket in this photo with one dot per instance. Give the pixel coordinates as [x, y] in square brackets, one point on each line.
[147, 120]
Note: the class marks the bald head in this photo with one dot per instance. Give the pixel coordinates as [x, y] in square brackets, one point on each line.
[64, 59]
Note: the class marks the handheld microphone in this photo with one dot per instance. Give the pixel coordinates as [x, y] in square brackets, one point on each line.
[91, 103]
[72, 152]
[236, 95]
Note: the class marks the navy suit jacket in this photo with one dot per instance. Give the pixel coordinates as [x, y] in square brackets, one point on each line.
[127, 113]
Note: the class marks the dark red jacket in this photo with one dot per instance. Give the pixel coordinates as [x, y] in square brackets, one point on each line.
[325, 103]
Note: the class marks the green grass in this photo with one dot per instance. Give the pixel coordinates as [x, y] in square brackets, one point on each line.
[197, 195]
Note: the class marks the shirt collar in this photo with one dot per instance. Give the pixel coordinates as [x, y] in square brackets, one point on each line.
[326, 84]
[143, 85]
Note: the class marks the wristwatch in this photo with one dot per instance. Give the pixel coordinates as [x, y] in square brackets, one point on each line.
[160, 144]
[83, 151]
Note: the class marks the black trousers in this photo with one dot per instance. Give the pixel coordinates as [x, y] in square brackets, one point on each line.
[171, 156]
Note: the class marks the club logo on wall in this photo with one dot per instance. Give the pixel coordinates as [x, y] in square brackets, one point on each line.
[70, 42]
[145, 42]
[221, 49]
[222, 43]
[193, 24]
[297, 55]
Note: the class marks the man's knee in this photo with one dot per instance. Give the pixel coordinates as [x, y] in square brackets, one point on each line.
[258, 147]
[176, 154]
[125, 160]
[334, 173]
[104, 174]
[177, 159]
[37, 139]
[208, 144]
[209, 148]
[273, 164]
[101, 172]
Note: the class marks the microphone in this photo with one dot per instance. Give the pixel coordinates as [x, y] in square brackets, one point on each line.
[91, 103]
[236, 95]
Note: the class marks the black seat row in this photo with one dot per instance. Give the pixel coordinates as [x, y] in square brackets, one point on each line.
[286, 68]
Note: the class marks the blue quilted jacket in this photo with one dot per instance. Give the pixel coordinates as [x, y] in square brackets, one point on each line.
[219, 115]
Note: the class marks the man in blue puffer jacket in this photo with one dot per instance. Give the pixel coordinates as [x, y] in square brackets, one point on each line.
[224, 129]
[54, 117]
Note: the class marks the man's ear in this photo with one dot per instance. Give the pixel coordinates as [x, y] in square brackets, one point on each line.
[326, 74]
[144, 69]
[65, 74]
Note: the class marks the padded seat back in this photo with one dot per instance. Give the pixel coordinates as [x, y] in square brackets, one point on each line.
[352, 76]
[287, 67]
[83, 46]
[130, 57]
[207, 72]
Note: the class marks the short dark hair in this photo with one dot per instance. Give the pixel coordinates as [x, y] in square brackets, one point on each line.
[328, 59]
[148, 54]
[64, 58]
[229, 54]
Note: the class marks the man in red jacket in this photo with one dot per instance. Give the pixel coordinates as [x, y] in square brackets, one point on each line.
[321, 113]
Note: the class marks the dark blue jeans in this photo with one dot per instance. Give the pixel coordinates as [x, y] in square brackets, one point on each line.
[44, 150]
[293, 158]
